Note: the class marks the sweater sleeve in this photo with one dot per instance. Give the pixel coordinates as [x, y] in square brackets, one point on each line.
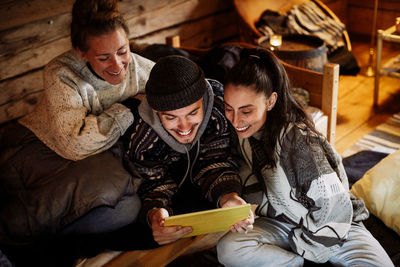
[79, 114]
[212, 168]
[317, 182]
[215, 171]
[77, 131]
[149, 158]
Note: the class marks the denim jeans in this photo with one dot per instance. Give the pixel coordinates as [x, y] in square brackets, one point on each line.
[106, 218]
[268, 245]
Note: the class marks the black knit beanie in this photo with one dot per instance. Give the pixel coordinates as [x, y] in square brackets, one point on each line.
[175, 82]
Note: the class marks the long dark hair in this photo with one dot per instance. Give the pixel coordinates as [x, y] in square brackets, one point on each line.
[94, 18]
[261, 70]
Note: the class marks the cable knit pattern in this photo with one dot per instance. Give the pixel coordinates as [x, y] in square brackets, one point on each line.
[78, 114]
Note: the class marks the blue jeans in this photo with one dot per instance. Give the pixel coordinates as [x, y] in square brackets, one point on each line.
[268, 245]
[105, 218]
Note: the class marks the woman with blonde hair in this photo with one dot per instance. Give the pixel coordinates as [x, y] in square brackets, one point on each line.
[57, 169]
[80, 113]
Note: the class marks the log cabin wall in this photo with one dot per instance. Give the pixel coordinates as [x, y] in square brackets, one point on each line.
[339, 7]
[360, 16]
[33, 32]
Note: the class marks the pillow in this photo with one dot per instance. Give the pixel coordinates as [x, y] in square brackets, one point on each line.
[380, 190]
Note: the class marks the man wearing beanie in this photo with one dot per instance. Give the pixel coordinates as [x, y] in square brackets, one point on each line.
[179, 145]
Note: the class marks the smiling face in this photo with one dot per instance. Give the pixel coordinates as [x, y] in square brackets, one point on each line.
[246, 109]
[183, 123]
[108, 55]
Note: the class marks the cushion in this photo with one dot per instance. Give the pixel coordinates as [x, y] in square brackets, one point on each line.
[380, 188]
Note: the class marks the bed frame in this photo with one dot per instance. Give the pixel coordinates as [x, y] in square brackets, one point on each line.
[323, 89]
[250, 11]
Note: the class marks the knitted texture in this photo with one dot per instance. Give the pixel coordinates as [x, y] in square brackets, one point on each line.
[79, 115]
[162, 168]
[175, 82]
[307, 188]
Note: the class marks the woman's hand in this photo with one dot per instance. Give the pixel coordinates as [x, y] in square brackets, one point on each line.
[164, 235]
[231, 200]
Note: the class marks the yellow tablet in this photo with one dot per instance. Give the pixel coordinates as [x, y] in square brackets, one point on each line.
[208, 221]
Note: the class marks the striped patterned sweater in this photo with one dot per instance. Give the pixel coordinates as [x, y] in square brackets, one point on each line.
[207, 163]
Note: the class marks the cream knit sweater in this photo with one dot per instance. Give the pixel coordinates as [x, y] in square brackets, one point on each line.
[78, 114]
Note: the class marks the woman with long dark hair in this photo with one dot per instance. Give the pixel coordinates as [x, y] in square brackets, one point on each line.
[295, 176]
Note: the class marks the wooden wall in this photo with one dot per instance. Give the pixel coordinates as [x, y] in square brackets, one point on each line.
[339, 7]
[360, 15]
[35, 31]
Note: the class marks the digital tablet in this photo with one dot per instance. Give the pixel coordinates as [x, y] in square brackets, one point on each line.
[208, 221]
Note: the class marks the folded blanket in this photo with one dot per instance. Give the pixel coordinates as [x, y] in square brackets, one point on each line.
[305, 19]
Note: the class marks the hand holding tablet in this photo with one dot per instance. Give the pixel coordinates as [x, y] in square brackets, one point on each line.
[208, 221]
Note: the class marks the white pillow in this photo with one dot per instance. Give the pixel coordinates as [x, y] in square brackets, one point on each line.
[380, 189]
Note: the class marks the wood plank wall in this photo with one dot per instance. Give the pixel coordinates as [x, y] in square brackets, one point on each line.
[33, 32]
[339, 7]
[360, 16]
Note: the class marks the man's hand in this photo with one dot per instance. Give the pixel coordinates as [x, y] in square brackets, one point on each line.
[164, 235]
[232, 199]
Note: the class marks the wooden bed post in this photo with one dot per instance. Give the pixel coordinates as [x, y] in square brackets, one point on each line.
[330, 86]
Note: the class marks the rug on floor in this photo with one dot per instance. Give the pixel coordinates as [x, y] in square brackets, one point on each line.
[385, 138]
[362, 156]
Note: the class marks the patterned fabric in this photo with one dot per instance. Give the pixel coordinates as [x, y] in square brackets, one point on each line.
[307, 19]
[208, 164]
[310, 20]
[306, 189]
[258, 153]
[78, 114]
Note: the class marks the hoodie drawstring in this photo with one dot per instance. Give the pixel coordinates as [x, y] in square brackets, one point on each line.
[189, 165]
[195, 158]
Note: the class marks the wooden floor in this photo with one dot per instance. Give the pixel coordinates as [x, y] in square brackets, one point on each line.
[356, 115]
